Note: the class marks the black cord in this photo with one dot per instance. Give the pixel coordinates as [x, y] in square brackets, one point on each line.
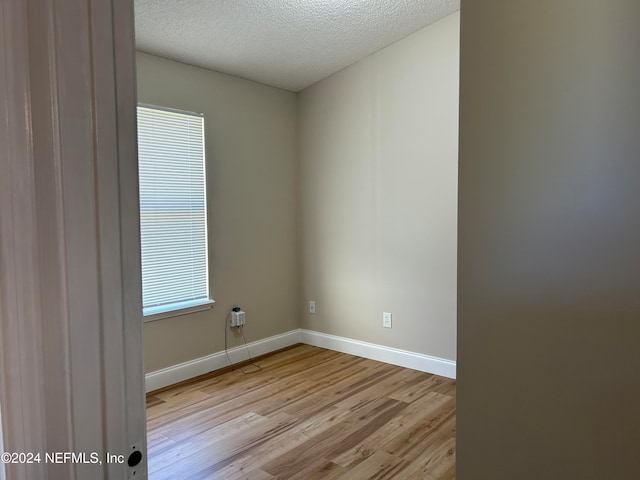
[251, 362]
[226, 350]
[226, 347]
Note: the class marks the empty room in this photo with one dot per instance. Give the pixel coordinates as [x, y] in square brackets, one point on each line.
[319, 239]
[330, 186]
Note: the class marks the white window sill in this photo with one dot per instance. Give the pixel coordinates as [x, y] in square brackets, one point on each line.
[166, 311]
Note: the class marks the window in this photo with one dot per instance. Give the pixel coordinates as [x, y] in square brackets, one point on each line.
[173, 213]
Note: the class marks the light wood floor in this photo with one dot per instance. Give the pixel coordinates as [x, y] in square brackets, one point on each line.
[308, 414]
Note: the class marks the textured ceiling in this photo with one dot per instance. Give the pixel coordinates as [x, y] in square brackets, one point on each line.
[289, 44]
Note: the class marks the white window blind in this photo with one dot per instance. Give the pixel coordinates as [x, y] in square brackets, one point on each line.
[173, 217]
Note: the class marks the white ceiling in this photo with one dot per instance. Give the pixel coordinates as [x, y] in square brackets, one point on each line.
[289, 44]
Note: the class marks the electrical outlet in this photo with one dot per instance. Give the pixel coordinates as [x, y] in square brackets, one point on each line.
[386, 319]
[312, 306]
[237, 318]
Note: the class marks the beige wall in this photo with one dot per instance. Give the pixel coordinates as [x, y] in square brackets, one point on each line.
[370, 176]
[250, 134]
[549, 236]
[378, 174]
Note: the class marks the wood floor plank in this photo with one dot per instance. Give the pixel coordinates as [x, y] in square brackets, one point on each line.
[328, 393]
[434, 465]
[448, 475]
[351, 389]
[410, 419]
[310, 413]
[379, 466]
[420, 438]
[158, 443]
[422, 384]
[210, 414]
[256, 475]
[153, 400]
[321, 469]
[184, 450]
[196, 458]
[269, 451]
[336, 439]
[171, 410]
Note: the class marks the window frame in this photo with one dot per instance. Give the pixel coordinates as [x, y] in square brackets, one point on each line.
[176, 309]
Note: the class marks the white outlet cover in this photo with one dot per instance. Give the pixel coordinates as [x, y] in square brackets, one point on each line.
[312, 306]
[386, 320]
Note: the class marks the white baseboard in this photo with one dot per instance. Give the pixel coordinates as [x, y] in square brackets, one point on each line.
[394, 356]
[184, 371]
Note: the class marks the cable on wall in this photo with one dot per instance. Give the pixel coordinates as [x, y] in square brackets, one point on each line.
[238, 318]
